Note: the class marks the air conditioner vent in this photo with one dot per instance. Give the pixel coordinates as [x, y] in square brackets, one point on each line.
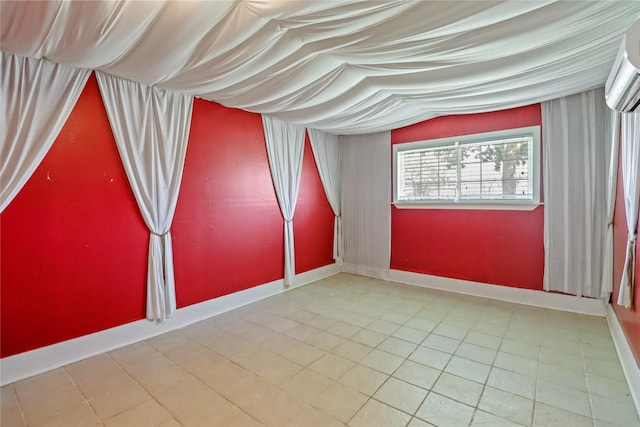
[622, 89]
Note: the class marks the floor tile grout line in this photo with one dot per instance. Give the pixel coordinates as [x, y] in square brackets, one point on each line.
[151, 395]
[86, 401]
[506, 331]
[18, 400]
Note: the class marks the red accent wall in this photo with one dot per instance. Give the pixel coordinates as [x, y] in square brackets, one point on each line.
[74, 246]
[313, 219]
[227, 226]
[489, 246]
[629, 320]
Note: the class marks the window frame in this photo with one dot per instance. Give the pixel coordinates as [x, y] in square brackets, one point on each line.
[476, 138]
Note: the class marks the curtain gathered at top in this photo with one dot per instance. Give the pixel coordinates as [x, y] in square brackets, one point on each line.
[612, 183]
[348, 67]
[326, 151]
[366, 194]
[630, 135]
[285, 148]
[36, 98]
[575, 176]
[151, 129]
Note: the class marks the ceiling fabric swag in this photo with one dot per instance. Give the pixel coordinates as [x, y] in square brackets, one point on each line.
[36, 98]
[285, 148]
[346, 67]
[326, 152]
[612, 183]
[151, 129]
[631, 186]
[575, 176]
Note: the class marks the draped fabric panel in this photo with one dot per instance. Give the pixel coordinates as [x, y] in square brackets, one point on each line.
[326, 151]
[575, 176]
[366, 202]
[345, 66]
[151, 129]
[36, 98]
[285, 148]
[612, 183]
[630, 132]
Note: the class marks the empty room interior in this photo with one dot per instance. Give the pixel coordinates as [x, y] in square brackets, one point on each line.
[310, 213]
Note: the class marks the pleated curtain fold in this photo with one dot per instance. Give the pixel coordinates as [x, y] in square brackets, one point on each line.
[630, 134]
[366, 194]
[576, 159]
[285, 148]
[612, 183]
[151, 129]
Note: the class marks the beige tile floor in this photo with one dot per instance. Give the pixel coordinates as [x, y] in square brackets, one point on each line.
[346, 350]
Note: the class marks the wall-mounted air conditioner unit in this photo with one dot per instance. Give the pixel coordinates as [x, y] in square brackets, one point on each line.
[622, 89]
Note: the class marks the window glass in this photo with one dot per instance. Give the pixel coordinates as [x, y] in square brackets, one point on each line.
[496, 167]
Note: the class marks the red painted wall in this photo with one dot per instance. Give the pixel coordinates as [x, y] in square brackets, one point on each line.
[313, 219]
[489, 246]
[630, 320]
[227, 226]
[74, 247]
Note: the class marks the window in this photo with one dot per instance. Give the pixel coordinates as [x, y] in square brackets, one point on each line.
[499, 169]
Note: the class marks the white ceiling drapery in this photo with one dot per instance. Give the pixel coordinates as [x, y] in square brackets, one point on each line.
[347, 67]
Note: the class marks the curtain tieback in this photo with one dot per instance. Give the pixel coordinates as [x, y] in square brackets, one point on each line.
[632, 238]
[288, 220]
[159, 235]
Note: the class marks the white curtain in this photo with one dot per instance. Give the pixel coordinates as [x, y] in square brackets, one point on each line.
[631, 185]
[36, 98]
[366, 203]
[326, 151]
[348, 67]
[285, 148]
[575, 177]
[151, 128]
[612, 183]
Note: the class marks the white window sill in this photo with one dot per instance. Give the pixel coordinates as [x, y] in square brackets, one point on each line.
[494, 206]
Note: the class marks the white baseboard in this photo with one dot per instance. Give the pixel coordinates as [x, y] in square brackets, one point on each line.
[570, 303]
[595, 307]
[23, 365]
[316, 274]
[366, 270]
[628, 362]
